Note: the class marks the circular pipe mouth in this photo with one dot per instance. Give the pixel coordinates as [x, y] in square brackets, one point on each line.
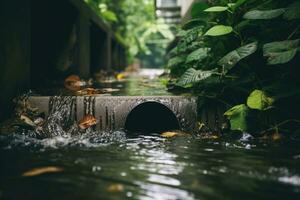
[151, 117]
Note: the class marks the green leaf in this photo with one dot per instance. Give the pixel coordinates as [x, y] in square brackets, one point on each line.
[264, 14]
[109, 16]
[232, 58]
[197, 55]
[176, 61]
[197, 9]
[193, 76]
[259, 100]
[292, 11]
[280, 52]
[219, 30]
[216, 9]
[237, 116]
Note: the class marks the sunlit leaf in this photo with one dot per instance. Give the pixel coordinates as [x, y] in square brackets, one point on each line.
[259, 100]
[115, 188]
[219, 30]
[232, 58]
[237, 116]
[170, 134]
[281, 52]
[264, 14]
[216, 9]
[292, 11]
[197, 55]
[109, 16]
[193, 76]
[42, 170]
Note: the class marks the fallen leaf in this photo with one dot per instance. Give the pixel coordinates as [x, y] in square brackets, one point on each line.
[170, 134]
[88, 91]
[276, 136]
[73, 83]
[110, 89]
[42, 170]
[27, 120]
[115, 188]
[120, 76]
[87, 121]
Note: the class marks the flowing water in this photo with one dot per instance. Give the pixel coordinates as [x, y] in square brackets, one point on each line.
[120, 165]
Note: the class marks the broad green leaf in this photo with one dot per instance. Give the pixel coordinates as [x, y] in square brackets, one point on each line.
[281, 52]
[219, 30]
[109, 16]
[176, 61]
[292, 11]
[197, 55]
[193, 76]
[197, 9]
[264, 14]
[259, 100]
[216, 9]
[237, 116]
[232, 58]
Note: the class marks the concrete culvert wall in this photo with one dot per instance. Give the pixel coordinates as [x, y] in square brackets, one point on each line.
[151, 117]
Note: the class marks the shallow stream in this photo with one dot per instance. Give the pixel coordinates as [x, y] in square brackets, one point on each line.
[118, 165]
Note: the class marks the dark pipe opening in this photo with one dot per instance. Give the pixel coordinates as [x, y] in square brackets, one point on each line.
[151, 117]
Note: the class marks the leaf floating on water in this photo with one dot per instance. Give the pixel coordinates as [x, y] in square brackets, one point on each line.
[42, 170]
[170, 134]
[276, 136]
[73, 83]
[115, 188]
[87, 121]
[27, 120]
[88, 91]
[120, 76]
[108, 90]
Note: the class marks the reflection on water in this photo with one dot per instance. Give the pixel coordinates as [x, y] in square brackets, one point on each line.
[147, 167]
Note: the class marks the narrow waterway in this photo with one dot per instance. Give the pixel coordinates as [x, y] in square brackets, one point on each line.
[102, 165]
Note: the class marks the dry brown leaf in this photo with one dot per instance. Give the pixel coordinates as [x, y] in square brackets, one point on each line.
[73, 82]
[276, 136]
[88, 91]
[170, 134]
[42, 170]
[115, 188]
[87, 121]
[27, 120]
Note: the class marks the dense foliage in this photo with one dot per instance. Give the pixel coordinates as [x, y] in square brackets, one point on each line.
[135, 25]
[243, 55]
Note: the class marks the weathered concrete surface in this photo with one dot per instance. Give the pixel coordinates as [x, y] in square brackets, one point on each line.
[112, 111]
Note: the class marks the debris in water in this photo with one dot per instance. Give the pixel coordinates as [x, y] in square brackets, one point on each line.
[276, 136]
[120, 76]
[27, 120]
[115, 188]
[73, 83]
[87, 121]
[42, 170]
[170, 134]
[110, 90]
[88, 91]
